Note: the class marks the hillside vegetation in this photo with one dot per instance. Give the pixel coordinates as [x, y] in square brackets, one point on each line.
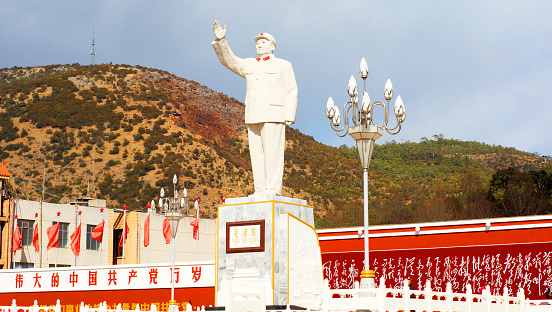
[121, 132]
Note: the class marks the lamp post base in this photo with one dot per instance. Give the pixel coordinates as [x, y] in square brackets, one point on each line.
[173, 306]
[367, 279]
[366, 282]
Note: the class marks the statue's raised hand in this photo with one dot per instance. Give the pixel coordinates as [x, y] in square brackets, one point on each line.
[219, 31]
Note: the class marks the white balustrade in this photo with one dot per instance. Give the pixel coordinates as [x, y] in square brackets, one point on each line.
[34, 308]
[379, 298]
[404, 299]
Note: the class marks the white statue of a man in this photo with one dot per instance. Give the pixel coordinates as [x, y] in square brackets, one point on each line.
[270, 105]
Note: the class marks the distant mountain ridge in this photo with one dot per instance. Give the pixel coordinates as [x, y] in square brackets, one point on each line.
[141, 126]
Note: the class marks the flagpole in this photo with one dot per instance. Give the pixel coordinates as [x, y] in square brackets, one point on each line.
[80, 222]
[147, 247]
[11, 262]
[36, 220]
[58, 214]
[40, 224]
[197, 225]
[14, 218]
[124, 230]
[150, 207]
[76, 226]
[101, 219]
[197, 240]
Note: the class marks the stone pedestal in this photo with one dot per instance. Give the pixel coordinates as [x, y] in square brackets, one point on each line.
[253, 267]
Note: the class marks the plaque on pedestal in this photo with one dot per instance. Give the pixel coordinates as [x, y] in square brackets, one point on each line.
[267, 245]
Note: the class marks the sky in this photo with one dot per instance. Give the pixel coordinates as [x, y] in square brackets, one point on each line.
[469, 70]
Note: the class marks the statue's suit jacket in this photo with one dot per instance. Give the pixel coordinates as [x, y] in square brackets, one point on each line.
[271, 88]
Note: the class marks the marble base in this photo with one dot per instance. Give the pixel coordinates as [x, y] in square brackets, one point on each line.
[269, 267]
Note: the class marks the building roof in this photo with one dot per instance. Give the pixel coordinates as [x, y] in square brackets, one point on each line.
[3, 170]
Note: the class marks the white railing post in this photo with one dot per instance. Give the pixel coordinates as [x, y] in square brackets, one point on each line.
[35, 306]
[487, 294]
[428, 294]
[138, 308]
[380, 295]
[521, 299]
[13, 306]
[153, 308]
[469, 297]
[449, 296]
[326, 296]
[406, 294]
[119, 308]
[103, 307]
[505, 299]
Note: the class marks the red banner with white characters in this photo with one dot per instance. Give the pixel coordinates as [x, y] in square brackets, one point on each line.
[125, 284]
[527, 266]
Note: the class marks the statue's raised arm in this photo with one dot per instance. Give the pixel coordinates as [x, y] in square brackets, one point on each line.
[220, 32]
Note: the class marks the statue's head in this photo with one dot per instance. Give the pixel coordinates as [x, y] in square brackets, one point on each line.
[265, 44]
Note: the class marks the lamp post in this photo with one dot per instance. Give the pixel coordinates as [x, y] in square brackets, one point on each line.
[359, 124]
[172, 207]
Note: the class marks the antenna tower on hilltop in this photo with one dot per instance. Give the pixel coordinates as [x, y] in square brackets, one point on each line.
[93, 52]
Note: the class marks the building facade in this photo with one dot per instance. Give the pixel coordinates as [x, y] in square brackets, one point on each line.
[108, 252]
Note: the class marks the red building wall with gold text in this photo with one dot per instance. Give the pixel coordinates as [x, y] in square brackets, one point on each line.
[511, 252]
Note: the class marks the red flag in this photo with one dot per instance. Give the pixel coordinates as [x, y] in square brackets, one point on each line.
[195, 224]
[75, 240]
[53, 236]
[167, 231]
[125, 234]
[36, 242]
[17, 238]
[97, 232]
[146, 231]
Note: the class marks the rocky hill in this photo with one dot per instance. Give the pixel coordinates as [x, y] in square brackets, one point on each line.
[121, 132]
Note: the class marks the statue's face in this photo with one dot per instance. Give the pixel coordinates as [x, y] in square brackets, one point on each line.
[264, 47]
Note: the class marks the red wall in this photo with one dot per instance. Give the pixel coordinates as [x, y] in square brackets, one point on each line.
[516, 258]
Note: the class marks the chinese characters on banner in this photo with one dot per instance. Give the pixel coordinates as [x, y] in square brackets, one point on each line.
[526, 266]
[107, 278]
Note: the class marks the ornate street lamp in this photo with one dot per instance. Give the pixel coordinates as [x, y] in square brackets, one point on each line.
[171, 207]
[359, 124]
